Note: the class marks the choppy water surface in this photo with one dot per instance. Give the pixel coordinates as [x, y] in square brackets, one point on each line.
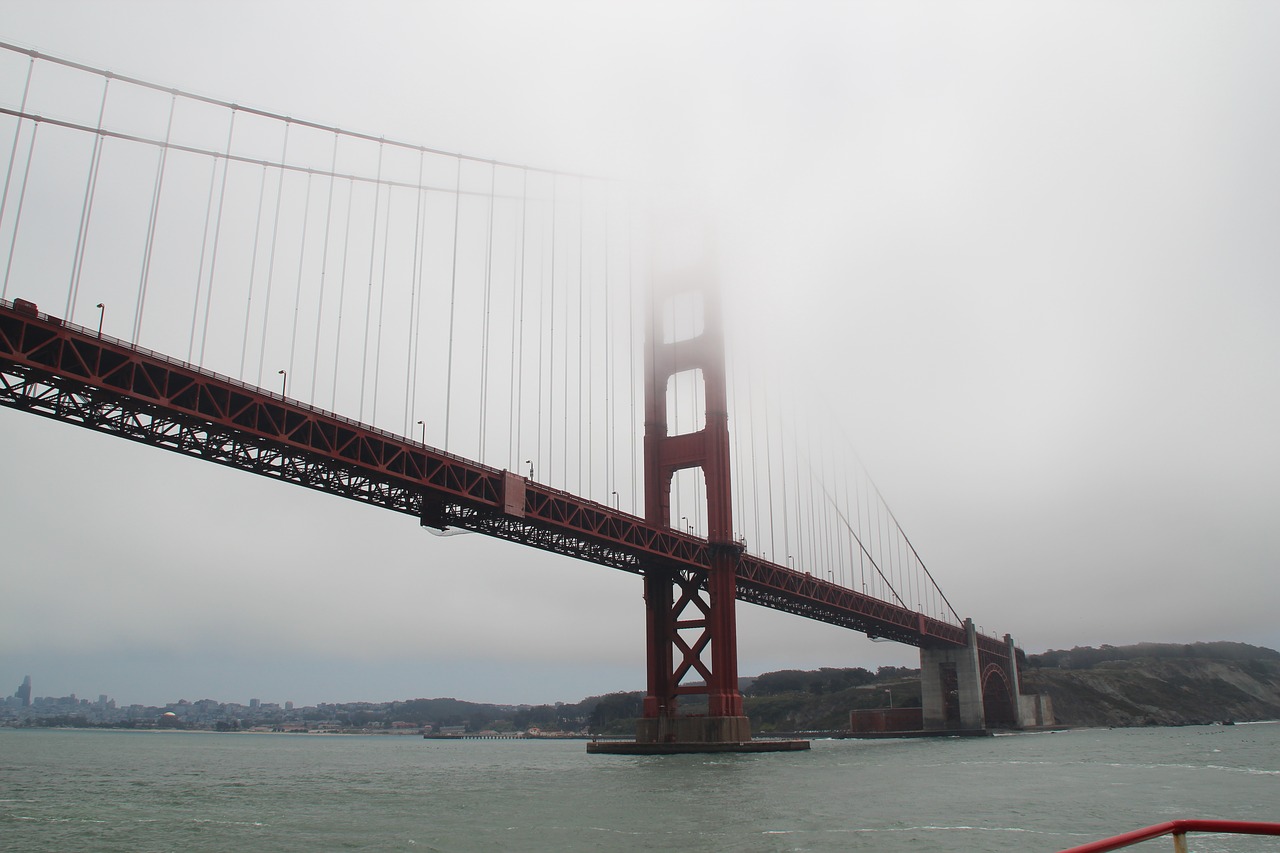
[157, 791]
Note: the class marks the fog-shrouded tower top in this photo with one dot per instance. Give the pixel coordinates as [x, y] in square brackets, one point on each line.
[24, 692]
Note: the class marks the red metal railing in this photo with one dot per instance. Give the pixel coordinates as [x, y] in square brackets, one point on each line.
[1178, 829]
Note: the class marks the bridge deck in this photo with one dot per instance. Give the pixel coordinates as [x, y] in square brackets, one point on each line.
[58, 370]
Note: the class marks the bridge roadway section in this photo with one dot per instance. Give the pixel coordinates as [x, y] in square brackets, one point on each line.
[58, 370]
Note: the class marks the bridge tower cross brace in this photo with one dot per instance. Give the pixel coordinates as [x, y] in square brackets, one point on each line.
[672, 656]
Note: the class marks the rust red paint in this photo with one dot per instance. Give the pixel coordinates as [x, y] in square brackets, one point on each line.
[713, 656]
[67, 372]
[1177, 828]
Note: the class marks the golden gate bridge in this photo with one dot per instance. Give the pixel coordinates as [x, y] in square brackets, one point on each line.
[534, 355]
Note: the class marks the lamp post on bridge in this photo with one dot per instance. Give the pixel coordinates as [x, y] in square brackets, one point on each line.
[424, 431]
[102, 313]
[284, 383]
[890, 692]
[617, 501]
[529, 462]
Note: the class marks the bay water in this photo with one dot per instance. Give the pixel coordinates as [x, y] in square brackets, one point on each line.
[108, 790]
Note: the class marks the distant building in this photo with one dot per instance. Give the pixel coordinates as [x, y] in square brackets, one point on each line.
[24, 692]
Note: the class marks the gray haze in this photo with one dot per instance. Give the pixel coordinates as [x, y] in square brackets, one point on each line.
[1025, 254]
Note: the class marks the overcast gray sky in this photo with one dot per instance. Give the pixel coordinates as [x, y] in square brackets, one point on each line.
[1026, 252]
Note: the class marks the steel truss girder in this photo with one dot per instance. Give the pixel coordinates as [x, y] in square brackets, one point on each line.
[692, 592]
[66, 372]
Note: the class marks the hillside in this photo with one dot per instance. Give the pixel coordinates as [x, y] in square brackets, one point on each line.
[1158, 684]
[1143, 684]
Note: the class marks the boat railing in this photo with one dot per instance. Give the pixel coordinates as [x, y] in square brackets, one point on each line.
[1178, 829]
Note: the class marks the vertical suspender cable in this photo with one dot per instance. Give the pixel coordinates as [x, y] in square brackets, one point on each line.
[866, 533]
[551, 334]
[839, 488]
[853, 534]
[768, 459]
[484, 331]
[857, 505]
[823, 505]
[17, 132]
[417, 313]
[271, 260]
[610, 477]
[217, 233]
[382, 306]
[819, 524]
[151, 226]
[631, 348]
[302, 256]
[204, 243]
[815, 554]
[796, 505]
[755, 477]
[880, 562]
[565, 419]
[324, 267]
[582, 365]
[517, 314]
[415, 278]
[697, 393]
[342, 291]
[512, 423]
[86, 207]
[417, 332]
[738, 474]
[542, 293]
[368, 291]
[673, 383]
[786, 514]
[584, 332]
[453, 292]
[17, 219]
[253, 267]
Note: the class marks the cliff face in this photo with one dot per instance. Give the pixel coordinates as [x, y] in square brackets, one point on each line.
[1160, 691]
[1145, 684]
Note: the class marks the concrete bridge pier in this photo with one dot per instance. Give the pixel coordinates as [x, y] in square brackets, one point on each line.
[1021, 719]
[951, 686]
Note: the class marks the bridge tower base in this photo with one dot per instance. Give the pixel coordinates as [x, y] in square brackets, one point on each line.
[951, 686]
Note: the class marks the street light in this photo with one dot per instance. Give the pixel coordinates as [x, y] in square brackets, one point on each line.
[890, 692]
[687, 527]
[529, 462]
[284, 383]
[424, 431]
[617, 501]
[102, 313]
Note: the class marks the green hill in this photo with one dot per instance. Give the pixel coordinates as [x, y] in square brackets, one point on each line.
[1158, 683]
